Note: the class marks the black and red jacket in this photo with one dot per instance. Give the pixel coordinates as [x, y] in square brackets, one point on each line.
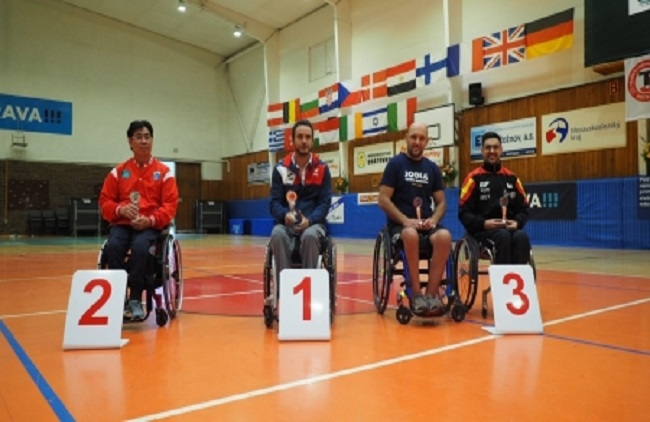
[480, 195]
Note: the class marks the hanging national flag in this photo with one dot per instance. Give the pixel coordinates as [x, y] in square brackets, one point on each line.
[400, 114]
[549, 35]
[276, 140]
[499, 49]
[309, 106]
[348, 97]
[375, 121]
[374, 86]
[428, 71]
[275, 115]
[401, 78]
[291, 111]
[328, 131]
[350, 127]
[288, 140]
[328, 98]
[453, 60]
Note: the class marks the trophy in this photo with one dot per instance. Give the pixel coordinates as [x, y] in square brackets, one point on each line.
[135, 199]
[504, 205]
[417, 203]
[292, 197]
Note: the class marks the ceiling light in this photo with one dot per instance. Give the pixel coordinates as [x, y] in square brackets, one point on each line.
[237, 32]
[181, 6]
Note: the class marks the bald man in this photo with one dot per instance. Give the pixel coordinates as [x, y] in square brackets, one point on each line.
[409, 185]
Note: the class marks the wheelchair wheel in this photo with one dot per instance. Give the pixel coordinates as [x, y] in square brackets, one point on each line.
[172, 276]
[269, 296]
[381, 271]
[531, 262]
[466, 256]
[101, 257]
[330, 265]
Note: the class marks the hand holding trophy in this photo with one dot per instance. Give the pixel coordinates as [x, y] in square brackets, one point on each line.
[135, 200]
[504, 206]
[292, 197]
[417, 204]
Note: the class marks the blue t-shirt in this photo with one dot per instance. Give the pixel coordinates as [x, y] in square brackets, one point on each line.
[412, 179]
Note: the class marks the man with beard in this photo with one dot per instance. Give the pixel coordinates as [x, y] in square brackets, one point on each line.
[493, 205]
[301, 194]
[139, 198]
[408, 185]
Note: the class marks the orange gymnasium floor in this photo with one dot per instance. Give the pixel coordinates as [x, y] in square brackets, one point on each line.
[218, 362]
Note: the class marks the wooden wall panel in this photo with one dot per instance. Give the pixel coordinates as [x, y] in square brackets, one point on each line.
[188, 179]
[613, 162]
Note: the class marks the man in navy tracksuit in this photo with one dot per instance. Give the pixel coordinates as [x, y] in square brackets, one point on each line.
[301, 194]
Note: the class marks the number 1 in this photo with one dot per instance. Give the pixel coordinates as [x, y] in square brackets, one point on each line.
[305, 287]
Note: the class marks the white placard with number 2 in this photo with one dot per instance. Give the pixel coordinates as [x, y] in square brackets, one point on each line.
[304, 305]
[514, 300]
[95, 307]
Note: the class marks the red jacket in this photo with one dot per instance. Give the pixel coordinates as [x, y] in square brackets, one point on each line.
[155, 184]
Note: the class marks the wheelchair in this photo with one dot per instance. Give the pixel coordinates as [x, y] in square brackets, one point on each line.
[326, 260]
[164, 281]
[472, 259]
[389, 259]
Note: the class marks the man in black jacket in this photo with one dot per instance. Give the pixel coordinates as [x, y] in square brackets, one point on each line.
[493, 205]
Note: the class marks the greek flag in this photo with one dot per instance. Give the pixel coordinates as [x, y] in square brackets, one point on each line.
[276, 140]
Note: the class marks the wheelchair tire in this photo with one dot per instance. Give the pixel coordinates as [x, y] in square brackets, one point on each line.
[531, 262]
[330, 266]
[403, 315]
[381, 271]
[161, 317]
[466, 256]
[172, 277]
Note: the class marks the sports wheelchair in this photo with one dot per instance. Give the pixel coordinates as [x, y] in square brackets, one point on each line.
[471, 259]
[164, 281]
[389, 259]
[326, 260]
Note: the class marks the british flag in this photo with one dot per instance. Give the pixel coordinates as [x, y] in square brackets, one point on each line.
[500, 48]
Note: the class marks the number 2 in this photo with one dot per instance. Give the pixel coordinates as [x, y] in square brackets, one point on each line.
[517, 291]
[305, 287]
[88, 317]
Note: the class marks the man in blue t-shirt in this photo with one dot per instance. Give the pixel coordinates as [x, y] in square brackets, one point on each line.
[408, 185]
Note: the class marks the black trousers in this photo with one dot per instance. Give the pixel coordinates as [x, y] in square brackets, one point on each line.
[512, 247]
[120, 240]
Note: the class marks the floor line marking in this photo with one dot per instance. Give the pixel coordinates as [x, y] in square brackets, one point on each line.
[357, 369]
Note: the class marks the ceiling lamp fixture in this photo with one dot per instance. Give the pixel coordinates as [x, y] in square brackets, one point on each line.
[181, 6]
[237, 32]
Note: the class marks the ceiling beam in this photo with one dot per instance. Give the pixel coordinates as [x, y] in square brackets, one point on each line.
[253, 28]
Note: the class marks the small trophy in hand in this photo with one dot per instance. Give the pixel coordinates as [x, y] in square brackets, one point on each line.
[292, 197]
[417, 204]
[504, 206]
[135, 200]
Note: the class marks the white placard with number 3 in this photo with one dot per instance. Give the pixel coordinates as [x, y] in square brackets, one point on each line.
[95, 307]
[514, 300]
[304, 305]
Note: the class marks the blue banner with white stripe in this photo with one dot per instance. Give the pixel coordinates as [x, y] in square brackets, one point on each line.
[35, 115]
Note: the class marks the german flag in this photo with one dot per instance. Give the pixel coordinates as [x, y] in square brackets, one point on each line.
[549, 35]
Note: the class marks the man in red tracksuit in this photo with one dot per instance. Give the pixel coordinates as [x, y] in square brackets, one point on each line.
[139, 199]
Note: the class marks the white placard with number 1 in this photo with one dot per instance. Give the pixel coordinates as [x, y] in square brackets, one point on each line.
[95, 308]
[514, 300]
[304, 305]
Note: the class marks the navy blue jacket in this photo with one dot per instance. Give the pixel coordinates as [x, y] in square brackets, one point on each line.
[314, 189]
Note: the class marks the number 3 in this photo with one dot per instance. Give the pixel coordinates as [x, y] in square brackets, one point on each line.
[517, 291]
[305, 287]
[89, 318]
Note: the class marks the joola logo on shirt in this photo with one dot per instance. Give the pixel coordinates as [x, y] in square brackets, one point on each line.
[416, 177]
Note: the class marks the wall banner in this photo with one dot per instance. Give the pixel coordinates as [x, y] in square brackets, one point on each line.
[518, 137]
[585, 129]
